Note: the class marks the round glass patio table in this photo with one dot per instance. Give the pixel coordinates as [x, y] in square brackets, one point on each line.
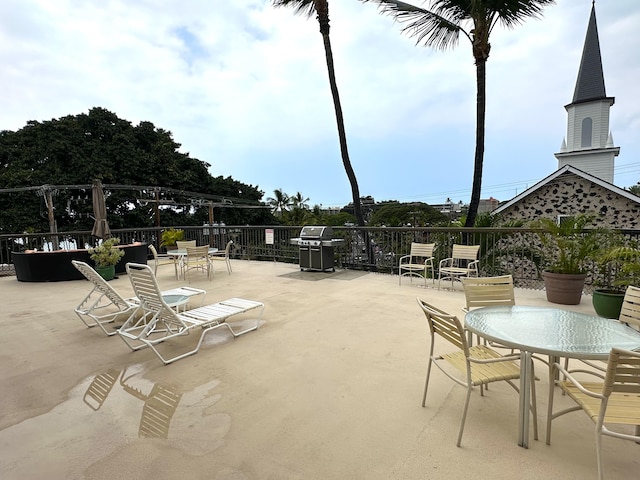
[548, 331]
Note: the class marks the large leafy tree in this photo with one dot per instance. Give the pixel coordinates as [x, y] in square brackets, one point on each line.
[395, 214]
[321, 9]
[440, 26]
[75, 150]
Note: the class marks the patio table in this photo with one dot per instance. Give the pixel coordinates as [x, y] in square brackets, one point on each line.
[180, 253]
[548, 331]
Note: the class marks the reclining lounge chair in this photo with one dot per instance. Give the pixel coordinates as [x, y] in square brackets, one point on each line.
[103, 305]
[159, 322]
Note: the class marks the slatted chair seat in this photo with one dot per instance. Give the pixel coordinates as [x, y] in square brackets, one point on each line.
[483, 373]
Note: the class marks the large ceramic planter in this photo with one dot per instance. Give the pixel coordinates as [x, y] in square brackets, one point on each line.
[107, 272]
[607, 303]
[564, 288]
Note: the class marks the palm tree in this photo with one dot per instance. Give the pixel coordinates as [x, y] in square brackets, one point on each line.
[279, 202]
[299, 201]
[321, 9]
[441, 26]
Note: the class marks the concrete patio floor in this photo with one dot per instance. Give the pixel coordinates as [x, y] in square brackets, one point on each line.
[329, 387]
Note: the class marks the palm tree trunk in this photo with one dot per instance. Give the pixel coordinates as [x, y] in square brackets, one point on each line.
[481, 100]
[323, 19]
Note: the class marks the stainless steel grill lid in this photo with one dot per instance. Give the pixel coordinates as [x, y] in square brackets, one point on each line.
[315, 232]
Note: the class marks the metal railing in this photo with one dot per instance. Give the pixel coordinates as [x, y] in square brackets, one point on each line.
[377, 249]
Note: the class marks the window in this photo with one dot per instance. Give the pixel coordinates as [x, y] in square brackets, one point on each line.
[565, 218]
[587, 132]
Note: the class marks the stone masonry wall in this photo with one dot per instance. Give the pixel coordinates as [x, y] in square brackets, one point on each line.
[569, 195]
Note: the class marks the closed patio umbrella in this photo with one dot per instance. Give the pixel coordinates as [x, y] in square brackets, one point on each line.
[100, 226]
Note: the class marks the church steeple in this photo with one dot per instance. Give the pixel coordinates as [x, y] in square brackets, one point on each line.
[590, 83]
[589, 143]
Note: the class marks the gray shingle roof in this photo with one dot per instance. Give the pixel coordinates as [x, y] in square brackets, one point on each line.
[590, 83]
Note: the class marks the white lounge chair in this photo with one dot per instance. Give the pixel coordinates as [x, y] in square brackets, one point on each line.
[159, 322]
[103, 305]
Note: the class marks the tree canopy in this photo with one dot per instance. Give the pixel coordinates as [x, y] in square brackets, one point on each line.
[395, 214]
[76, 149]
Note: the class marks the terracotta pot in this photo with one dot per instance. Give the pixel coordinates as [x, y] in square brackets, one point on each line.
[564, 288]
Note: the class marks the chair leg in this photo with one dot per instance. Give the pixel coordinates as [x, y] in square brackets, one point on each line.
[426, 382]
[599, 455]
[464, 415]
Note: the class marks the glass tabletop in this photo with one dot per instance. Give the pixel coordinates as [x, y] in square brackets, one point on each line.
[182, 252]
[552, 331]
[175, 300]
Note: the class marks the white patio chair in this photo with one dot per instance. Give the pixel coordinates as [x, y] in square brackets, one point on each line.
[161, 323]
[197, 258]
[417, 263]
[163, 259]
[480, 364]
[462, 263]
[183, 244]
[612, 403]
[488, 291]
[103, 305]
[224, 255]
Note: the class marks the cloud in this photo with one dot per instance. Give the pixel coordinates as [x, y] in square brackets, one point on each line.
[244, 87]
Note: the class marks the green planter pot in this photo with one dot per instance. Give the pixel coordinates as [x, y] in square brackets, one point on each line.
[107, 272]
[608, 303]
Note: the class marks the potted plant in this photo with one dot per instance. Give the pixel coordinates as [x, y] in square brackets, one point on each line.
[105, 257]
[170, 236]
[620, 267]
[569, 249]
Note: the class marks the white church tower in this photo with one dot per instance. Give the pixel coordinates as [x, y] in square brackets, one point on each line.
[588, 145]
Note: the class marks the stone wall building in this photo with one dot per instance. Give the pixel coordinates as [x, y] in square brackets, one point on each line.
[583, 182]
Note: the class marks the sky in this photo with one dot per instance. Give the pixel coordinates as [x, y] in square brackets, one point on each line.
[243, 86]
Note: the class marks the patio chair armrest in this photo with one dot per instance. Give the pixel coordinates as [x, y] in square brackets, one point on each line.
[403, 259]
[446, 262]
[473, 266]
[576, 383]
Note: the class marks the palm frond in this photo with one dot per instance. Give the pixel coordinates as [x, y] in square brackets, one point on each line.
[300, 7]
[439, 28]
[511, 13]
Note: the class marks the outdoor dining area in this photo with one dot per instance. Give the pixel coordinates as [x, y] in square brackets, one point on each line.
[331, 384]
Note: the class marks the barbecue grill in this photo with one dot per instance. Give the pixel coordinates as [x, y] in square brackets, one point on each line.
[316, 247]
